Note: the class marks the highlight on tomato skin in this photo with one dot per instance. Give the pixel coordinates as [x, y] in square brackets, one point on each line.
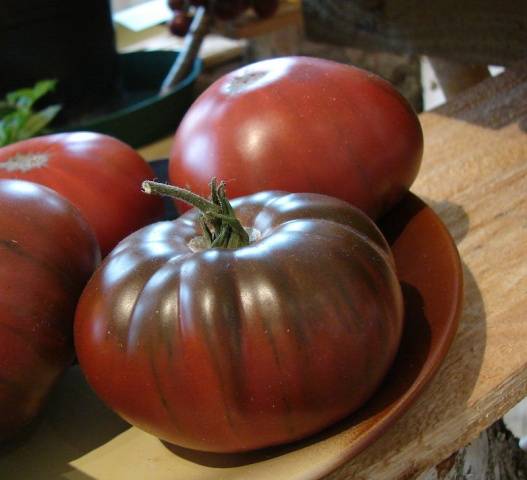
[235, 349]
[301, 124]
[47, 254]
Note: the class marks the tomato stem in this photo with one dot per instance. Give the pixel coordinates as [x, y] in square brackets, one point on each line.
[218, 220]
[182, 194]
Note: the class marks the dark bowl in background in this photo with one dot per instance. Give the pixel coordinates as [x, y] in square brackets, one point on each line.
[141, 114]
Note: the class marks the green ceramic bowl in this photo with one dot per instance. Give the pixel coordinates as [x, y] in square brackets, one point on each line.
[146, 116]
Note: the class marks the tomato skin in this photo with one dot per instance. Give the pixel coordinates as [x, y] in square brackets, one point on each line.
[99, 174]
[229, 350]
[300, 124]
[47, 254]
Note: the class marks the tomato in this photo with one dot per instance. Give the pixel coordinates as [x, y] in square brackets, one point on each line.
[99, 174]
[47, 254]
[301, 124]
[233, 349]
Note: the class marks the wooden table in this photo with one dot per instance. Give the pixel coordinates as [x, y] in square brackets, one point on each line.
[474, 175]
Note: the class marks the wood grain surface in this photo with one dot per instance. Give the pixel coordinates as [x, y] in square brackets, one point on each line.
[477, 31]
[474, 175]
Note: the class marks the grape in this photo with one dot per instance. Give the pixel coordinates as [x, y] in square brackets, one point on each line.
[265, 8]
[180, 23]
[221, 9]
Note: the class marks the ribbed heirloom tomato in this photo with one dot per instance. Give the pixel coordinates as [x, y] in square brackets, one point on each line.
[47, 254]
[241, 338]
[99, 174]
[301, 124]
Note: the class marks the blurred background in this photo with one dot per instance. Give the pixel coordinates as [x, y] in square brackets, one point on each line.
[423, 48]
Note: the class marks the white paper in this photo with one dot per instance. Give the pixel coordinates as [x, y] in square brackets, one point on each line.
[144, 16]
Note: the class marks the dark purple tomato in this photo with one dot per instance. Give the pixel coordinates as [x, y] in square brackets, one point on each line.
[233, 349]
[47, 254]
[301, 124]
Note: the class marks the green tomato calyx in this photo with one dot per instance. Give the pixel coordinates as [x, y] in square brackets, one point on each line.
[218, 220]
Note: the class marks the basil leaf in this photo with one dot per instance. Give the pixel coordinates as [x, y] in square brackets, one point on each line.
[24, 98]
[37, 121]
[17, 119]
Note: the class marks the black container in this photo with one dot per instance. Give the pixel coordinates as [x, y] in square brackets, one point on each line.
[68, 40]
[142, 115]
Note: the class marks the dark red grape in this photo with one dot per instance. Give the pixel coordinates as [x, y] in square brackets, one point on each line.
[265, 8]
[180, 23]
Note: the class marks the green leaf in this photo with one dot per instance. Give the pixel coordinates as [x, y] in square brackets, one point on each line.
[12, 124]
[3, 135]
[24, 98]
[5, 109]
[17, 119]
[37, 121]
[43, 87]
[21, 99]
